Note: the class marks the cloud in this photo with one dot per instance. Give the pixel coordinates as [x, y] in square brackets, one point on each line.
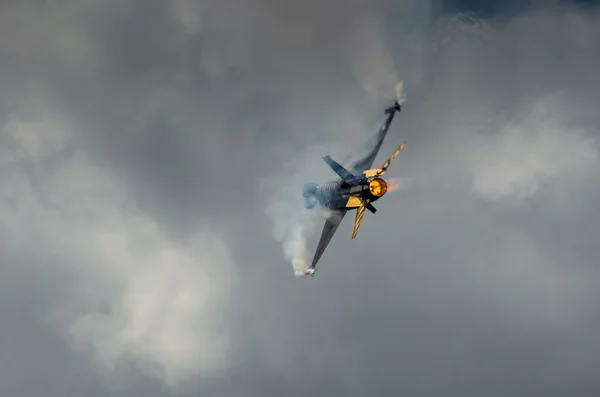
[138, 296]
[143, 142]
[32, 139]
[528, 153]
[514, 272]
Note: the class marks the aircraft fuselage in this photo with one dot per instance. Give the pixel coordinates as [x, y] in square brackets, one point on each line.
[341, 194]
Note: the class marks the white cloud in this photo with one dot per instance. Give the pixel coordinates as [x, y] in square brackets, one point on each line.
[188, 12]
[32, 138]
[527, 154]
[141, 297]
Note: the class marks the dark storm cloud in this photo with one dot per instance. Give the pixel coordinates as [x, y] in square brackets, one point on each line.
[130, 128]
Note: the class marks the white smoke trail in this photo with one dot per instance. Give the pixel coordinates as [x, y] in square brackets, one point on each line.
[375, 67]
[293, 224]
[292, 227]
[400, 94]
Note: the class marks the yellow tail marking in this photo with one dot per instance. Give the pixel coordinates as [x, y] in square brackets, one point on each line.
[387, 163]
[360, 212]
[372, 172]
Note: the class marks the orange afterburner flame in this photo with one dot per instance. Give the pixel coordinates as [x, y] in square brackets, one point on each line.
[393, 185]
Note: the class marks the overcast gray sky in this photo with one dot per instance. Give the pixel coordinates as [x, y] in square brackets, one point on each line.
[151, 153]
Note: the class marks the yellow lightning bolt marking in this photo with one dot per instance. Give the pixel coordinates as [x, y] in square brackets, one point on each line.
[360, 212]
[387, 163]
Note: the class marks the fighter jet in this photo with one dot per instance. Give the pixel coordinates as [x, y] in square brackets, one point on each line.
[355, 189]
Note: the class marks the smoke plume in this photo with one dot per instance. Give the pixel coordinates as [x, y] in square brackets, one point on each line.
[400, 94]
[293, 225]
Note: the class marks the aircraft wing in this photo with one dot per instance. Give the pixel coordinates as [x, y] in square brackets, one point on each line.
[331, 225]
[374, 144]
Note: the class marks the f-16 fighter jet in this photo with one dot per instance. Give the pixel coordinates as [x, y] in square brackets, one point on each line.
[355, 189]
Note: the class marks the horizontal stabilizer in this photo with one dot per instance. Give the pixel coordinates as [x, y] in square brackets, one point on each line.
[338, 169]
